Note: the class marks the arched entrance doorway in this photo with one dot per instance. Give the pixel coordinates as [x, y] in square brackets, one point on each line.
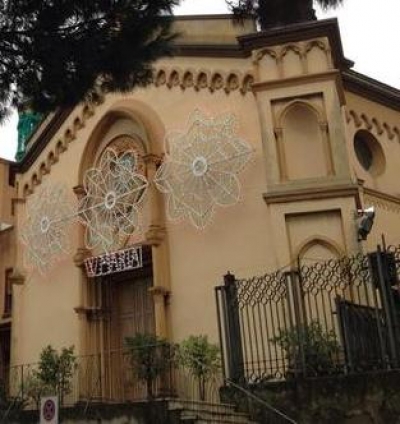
[123, 308]
[120, 304]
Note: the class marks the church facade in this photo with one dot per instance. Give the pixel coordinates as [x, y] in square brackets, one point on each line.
[248, 153]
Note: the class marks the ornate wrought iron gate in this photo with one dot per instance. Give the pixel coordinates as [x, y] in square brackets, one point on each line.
[339, 316]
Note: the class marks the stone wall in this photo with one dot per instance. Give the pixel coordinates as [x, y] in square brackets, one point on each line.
[370, 398]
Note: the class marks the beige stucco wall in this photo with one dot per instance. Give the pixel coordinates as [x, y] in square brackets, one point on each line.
[198, 259]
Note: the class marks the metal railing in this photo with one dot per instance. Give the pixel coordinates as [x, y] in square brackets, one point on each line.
[119, 377]
[270, 414]
[334, 317]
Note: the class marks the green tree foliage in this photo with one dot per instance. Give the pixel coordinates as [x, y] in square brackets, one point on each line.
[273, 13]
[150, 357]
[52, 52]
[201, 358]
[54, 374]
[309, 348]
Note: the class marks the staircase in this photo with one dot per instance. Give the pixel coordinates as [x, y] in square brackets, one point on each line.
[190, 412]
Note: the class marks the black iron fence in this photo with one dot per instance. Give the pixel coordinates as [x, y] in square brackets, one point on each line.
[334, 317]
[119, 376]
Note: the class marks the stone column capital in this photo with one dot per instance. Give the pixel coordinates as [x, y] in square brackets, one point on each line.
[79, 258]
[155, 235]
[17, 277]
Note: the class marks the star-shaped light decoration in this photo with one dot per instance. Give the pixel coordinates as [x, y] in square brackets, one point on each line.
[110, 210]
[201, 167]
[46, 230]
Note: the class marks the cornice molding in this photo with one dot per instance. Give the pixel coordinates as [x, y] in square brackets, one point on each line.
[211, 50]
[371, 89]
[381, 200]
[302, 79]
[314, 193]
[300, 32]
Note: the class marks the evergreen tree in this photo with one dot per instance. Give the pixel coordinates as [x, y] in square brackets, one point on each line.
[273, 13]
[52, 52]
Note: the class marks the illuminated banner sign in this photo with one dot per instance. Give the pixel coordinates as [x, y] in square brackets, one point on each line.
[111, 263]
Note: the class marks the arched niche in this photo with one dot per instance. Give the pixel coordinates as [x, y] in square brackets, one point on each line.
[318, 249]
[291, 59]
[303, 146]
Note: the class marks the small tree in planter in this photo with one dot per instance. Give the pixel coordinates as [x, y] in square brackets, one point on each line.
[309, 348]
[150, 357]
[54, 374]
[202, 358]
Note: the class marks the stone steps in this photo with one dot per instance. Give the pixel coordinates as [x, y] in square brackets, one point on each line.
[206, 413]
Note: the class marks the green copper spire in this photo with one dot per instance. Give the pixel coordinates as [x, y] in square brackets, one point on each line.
[27, 123]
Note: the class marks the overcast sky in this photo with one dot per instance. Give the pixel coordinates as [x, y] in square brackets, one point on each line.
[370, 36]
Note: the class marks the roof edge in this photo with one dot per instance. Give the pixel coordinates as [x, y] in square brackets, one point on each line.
[371, 89]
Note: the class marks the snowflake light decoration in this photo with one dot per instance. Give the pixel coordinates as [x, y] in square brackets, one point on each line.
[114, 193]
[45, 232]
[200, 169]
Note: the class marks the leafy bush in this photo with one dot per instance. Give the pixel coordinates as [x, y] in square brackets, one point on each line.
[201, 357]
[309, 348]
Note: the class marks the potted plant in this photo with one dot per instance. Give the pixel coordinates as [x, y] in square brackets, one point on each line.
[150, 357]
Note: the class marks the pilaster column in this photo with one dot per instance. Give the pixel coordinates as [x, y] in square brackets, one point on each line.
[156, 237]
[17, 278]
[81, 310]
[281, 154]
[327, 148]
[79, 260]
[160, 295]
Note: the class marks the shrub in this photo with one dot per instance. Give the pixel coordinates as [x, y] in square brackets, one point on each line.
[54, 374]
[201, 357]
[309, 348]
[150, 357]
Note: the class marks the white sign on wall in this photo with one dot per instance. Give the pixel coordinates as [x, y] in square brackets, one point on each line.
[111, 263]
[49, 410]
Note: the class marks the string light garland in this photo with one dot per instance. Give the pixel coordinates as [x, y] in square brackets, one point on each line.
[201, 166]
[45, 233]
[110, 209]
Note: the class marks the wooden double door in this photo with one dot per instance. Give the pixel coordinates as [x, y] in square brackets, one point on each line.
[128, 309]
